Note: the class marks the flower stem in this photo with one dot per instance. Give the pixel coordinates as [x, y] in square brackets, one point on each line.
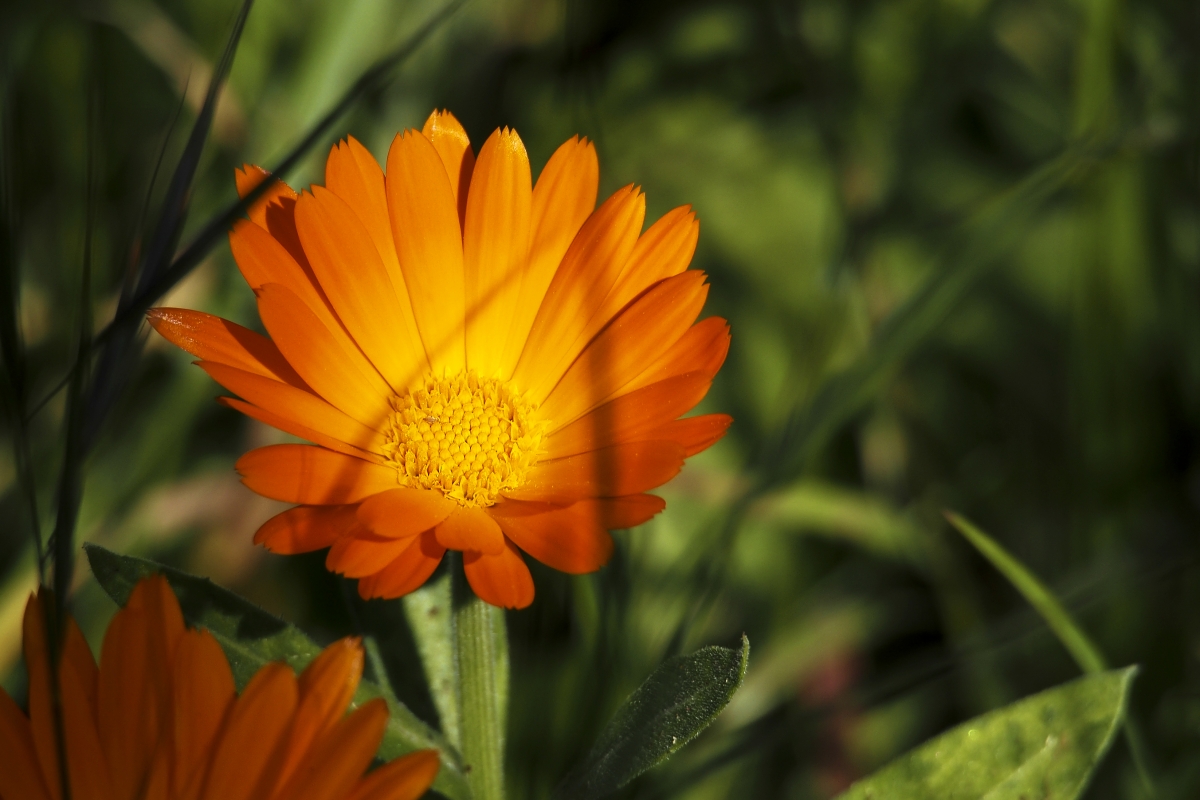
[482, 644]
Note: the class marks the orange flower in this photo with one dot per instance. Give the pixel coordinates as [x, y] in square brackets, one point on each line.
[483, 364]
[160, 719]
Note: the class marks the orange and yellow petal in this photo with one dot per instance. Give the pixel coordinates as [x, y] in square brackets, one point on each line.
[644, 331]
[249, 748]
[360, 553]
[326, 688]
[470, 528]
[563, 198]
[453, 146]
[621, 469]
[204, 693]
[425, 227]
[326, 357]
[347, 263]
[221, 341]
[310, 475]
[587, 272]
[404, 512]
[406, 778]
[572, 539]
[306, 528]
[407, 572]
[502, 579]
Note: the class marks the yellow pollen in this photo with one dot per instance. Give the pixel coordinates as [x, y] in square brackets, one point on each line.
[470, 438]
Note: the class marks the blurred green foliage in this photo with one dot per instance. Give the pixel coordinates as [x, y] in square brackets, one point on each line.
[958, 242]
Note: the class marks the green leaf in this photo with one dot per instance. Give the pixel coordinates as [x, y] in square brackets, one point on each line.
[252, 638]
[1044, 747]
[679, 700]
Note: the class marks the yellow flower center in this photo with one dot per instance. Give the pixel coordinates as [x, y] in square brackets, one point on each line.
[470, 438]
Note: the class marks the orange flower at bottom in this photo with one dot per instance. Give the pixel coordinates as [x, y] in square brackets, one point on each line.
[160, 719]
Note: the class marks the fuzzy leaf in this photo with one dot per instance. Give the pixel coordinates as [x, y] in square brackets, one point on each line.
[1044, 747]
[251, 638]
[679, 700]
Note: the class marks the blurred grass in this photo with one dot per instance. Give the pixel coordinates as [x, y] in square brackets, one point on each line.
[958, 242]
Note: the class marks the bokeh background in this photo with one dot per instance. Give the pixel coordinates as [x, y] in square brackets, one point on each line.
[958, 242]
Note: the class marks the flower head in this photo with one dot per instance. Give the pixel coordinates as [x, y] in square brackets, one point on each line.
[482, 364]
[160, 718]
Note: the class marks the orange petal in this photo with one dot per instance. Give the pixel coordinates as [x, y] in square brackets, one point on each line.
[629, 417]
[327, 686]
[572, 539]
[404, 512]
[249, 177]
[564, 196]
[358, 553]
[495, 246]
[88, 771]
[695, 433]
[453, 145]
[339, 759]
[502, 580]
[37, 668]
[301, 473]
[164, 629]
[77, 657]
[353, 174]
[305, 528]
[663, 251]
[470, 529]
[701, 349]
[408, 572]
[296, 429]
[257, 724]
[639, 335]
[277, 214]
[203, 694]
[20, 774]
[425, 227]
[325, 357]
[628, 468]
[224, 342]
[263, 260]
[127, 705]
[587, 273]
[629, 511]
[347, 264]
[296, 405]
[406, 778]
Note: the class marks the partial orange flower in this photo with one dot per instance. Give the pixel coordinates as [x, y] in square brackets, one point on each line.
[483, 364]
[160, 719]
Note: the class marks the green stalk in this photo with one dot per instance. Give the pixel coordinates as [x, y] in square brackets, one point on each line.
[482, 644]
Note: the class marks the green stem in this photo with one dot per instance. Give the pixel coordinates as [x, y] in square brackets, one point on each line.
[482, 644]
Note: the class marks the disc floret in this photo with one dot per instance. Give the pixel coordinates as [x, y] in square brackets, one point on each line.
[470, 438]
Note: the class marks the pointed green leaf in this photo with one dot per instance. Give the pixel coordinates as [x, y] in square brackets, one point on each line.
[1044, 747]
[251, 638]
[679, 700]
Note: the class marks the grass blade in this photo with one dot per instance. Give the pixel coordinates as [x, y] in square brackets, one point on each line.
[114, 360]
[12, 345]
[1037, 594]
[374, 79]
[1082, 649]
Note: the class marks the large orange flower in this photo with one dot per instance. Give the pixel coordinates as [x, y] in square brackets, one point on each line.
[160, 720]
[483, 364]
